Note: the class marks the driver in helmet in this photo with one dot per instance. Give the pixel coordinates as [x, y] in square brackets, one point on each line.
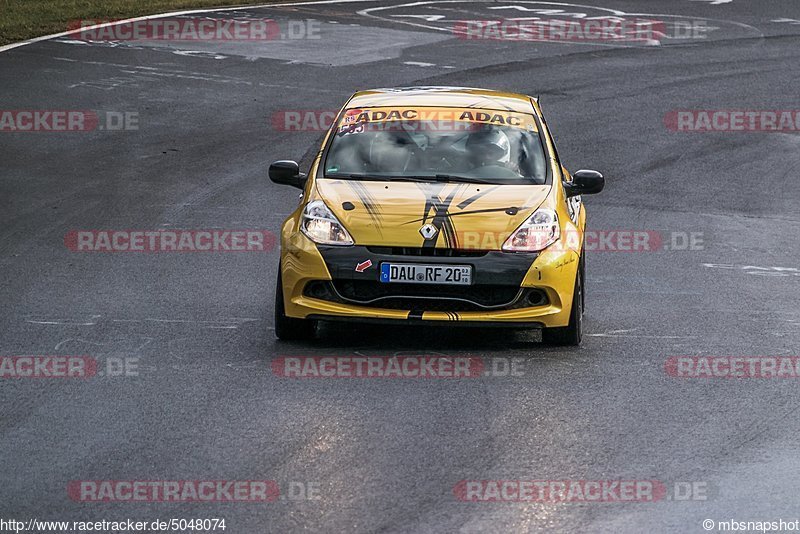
[488, 148]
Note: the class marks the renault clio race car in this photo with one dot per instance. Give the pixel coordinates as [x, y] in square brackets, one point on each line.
[438, 206]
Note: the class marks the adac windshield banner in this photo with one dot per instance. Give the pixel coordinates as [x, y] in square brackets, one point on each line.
[436, 116]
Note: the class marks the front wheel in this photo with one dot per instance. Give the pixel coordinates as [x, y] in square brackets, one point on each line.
[289, 328]
[571, 334]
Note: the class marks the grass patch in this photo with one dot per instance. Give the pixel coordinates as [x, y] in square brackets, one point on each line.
[24, 19]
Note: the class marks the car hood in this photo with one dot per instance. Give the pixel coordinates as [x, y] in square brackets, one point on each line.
[440, 215]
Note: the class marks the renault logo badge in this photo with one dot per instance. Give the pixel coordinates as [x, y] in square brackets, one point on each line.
[428, 231]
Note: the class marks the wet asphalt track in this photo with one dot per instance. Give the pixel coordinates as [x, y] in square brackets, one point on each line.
[386, 454]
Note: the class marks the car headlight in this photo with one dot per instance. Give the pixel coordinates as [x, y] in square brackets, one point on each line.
[321, 226]
[538, 232]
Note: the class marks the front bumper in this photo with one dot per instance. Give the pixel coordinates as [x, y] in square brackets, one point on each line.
[322, 282]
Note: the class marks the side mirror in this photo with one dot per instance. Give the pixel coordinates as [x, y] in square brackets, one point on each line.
[585, 183]
[286, 172]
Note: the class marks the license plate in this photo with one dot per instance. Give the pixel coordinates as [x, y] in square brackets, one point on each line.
[422, 273]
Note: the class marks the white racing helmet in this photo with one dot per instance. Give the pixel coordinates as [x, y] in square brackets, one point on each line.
[489, 147]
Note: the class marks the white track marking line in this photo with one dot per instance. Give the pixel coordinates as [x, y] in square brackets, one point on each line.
[367, 13]
[363, 12]
[640, 336]
[171, 14]
[64, 323]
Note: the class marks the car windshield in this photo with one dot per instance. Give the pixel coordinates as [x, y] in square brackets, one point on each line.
[437, 144]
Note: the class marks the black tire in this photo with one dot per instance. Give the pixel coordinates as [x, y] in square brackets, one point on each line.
[583, 280]
[289, 328]
[571, 334]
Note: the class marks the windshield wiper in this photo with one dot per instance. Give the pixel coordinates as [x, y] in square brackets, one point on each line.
[412, 178]
[354, 176]
[448, 178]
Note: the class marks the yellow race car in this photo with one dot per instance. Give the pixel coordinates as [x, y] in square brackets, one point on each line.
[435, 206]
